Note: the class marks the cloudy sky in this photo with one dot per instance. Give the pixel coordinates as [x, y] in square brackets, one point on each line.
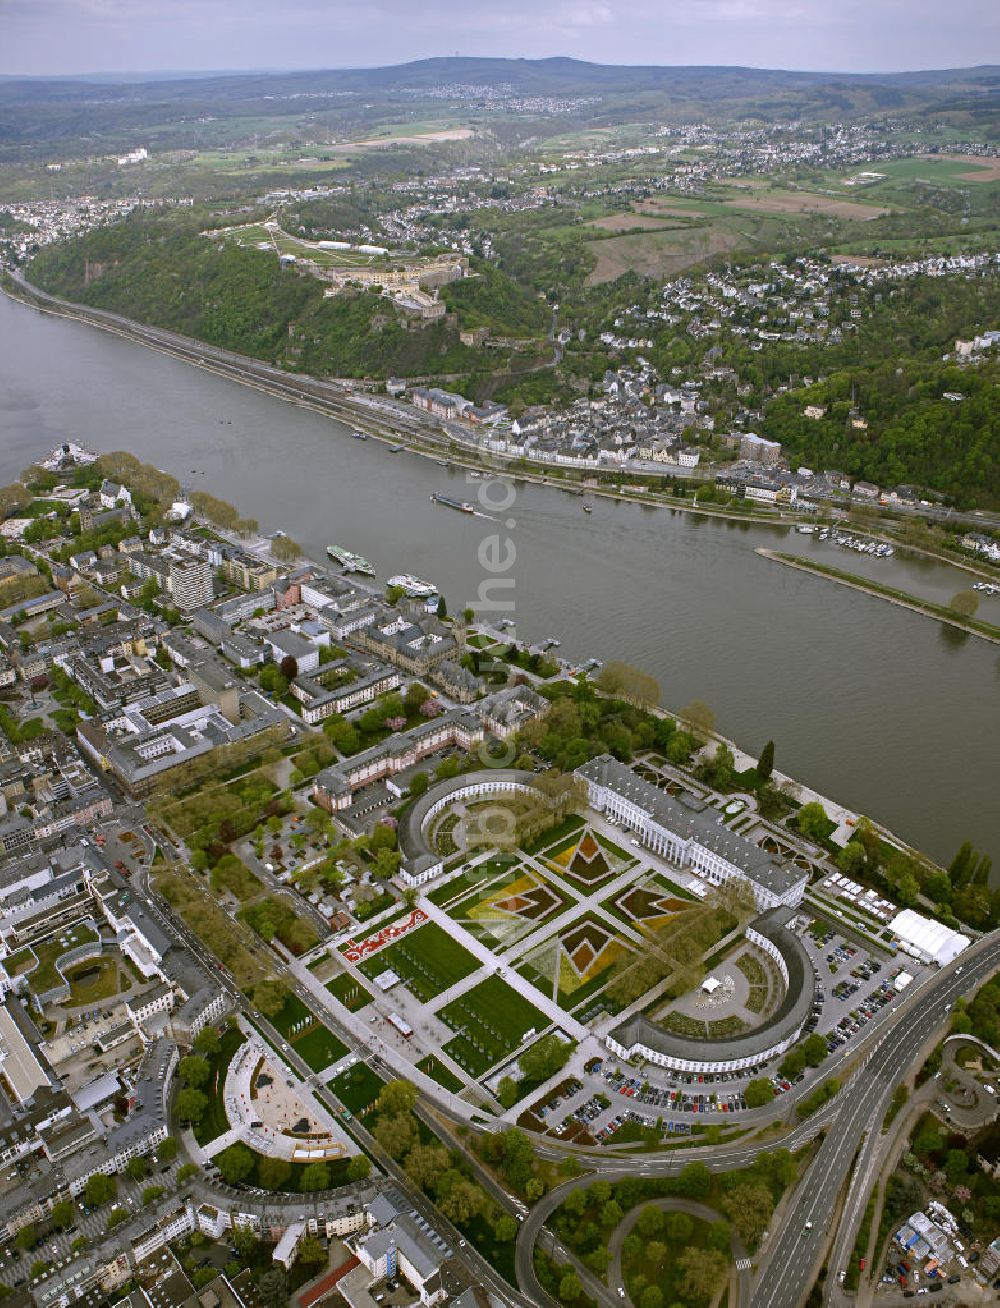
[71, 36]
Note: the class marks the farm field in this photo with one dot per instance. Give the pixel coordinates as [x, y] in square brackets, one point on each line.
[491, 1021]
[802, 202]
[427, 961]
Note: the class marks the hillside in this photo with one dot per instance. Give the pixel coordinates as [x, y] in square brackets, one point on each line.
[39, 111]
[241, 300]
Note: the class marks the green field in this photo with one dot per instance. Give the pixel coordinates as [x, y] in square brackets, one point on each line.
[427, 960]
[357, 1088]
[491, 1020]
[351, 993]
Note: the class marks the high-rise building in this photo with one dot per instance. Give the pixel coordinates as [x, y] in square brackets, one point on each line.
[191, 584]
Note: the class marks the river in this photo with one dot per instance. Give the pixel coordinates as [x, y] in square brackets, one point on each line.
[884, 710]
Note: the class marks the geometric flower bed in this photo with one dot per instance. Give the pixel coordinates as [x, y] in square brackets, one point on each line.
[509, 908]
[587, 860]
[572, 965]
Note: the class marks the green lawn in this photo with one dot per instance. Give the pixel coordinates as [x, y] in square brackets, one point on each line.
[439, 1073]
[293, 1015]
[95, 979]
[319, 1047]
[480, 875]
[554, 834]
[357, 1088]
[351, 993]
[51, 950]
[215, 1121]
[491, 1020]
[427, 960]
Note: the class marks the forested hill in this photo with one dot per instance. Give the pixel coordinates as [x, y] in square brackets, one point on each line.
[241, 300]
[40, 110]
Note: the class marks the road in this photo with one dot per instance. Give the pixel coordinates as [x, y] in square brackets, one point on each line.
[795, 1252]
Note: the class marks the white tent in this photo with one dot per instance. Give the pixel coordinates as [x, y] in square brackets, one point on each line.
[710, 985]
[932, 940]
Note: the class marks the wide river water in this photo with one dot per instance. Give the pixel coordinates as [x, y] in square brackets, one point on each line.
[884, 710]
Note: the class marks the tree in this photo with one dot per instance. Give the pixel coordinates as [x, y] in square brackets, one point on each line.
[273, 1289]
[285, 549]
[194, 1070]
[315, 1177]
[63, 1214]
[679, 1227]
[190, 1105]
[425, 1163]
[505, 1230]
[765, 764]
[851, 859]
[311, 1252]
[759, 1092]
[507, 1091]
[235, 1163]
[272, 1173]
[611, 1214]
[815, 1049]
[26, 1238]
[570, 1288]
[100, 1189]
[137, 1169]
[749, 1208]
[419, 783]
[813, 822]
[116, 1217]
[699, 718]
[151, 1193]
[546, 1057]
[442, 608]
[964, 603]
[359, 1168]
[397, 1098]
[720, 1236]
[651, 1222]
[625, 682]
[694, 1181]
[186, 1171]
[207, 1041]
[270, 996]
[289, 667]
[167, 1150]
[245, 1241]
[651, 1297]
[463, 1201]
[396, 1135]
[702, 1272]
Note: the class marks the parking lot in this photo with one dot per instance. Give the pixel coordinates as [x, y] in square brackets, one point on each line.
[852, 983]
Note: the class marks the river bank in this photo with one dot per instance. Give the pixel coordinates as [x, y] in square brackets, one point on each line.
[340, 400]
[984, 630]
[680, 595]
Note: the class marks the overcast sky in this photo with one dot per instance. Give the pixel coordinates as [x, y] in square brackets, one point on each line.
[72, 36]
